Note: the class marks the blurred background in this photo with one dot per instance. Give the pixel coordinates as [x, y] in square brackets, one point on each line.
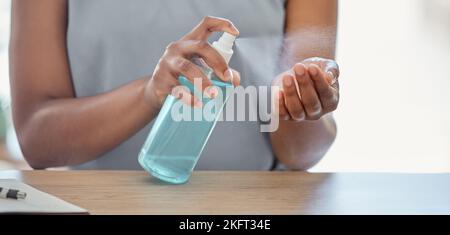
[394, 114]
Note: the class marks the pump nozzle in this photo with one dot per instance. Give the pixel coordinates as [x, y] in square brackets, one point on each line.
[225, 46]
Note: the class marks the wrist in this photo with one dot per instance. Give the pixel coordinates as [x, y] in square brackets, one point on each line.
[147, 98]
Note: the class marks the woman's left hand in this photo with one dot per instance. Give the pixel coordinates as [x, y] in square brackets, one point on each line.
[309, 90]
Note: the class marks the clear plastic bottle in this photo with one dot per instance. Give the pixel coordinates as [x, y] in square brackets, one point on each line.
[173, 147]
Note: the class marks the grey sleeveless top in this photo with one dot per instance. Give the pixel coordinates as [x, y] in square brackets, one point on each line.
[113, 42]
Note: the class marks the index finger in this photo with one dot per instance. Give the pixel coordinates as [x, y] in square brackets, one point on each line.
[211, 24]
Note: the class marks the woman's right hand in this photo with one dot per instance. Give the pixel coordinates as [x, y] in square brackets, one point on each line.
[176, 61]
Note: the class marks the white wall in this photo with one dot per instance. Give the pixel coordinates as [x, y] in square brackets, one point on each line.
[4, 37]
[395, 107]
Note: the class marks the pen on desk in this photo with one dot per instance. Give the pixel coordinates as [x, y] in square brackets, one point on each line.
[12, 193]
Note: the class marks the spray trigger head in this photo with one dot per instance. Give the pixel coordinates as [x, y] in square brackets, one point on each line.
[225, 46]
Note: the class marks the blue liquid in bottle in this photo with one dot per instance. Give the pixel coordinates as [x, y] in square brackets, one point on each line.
[173, 147]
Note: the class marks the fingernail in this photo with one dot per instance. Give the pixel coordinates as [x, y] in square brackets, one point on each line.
[236, 80]
[313, 70]
[198, 104]
[212, 92]
[331, 78]
[299, 70]
[287, 81]
[229, 75]
[179, 95]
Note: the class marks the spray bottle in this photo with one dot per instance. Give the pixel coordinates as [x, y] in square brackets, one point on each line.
[173, 146]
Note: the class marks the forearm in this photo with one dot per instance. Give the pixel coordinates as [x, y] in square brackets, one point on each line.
[300, 145]
[310, 31]
[71, 131]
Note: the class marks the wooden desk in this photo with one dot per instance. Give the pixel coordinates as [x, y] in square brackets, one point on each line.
[134, 192]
